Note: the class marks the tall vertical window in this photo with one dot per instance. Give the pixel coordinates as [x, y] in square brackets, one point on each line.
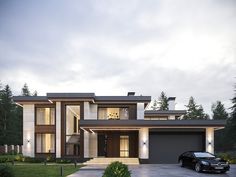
[124, 146]
[45, 116]
[72, 130]
[113, 113]
[45, 143]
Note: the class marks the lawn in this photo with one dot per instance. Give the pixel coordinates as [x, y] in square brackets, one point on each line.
[40, 170]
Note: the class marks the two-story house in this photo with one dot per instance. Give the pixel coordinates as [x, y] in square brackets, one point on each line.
[84, 126]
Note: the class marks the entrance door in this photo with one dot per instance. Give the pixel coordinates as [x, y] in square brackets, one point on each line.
[124, 146]
[102, 145]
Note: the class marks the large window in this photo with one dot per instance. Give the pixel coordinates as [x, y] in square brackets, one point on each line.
[113, 113]
[45, 116]
[45, 143]
[72, 130]
[124, 146]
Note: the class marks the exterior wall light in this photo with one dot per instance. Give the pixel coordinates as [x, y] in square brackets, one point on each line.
[144, 143]
[28, 141]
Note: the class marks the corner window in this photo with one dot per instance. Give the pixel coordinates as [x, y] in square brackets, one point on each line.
[72, 130]
[45, 116]
[45, 143]
[113, 113]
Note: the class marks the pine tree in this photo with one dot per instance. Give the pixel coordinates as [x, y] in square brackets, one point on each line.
[219, 111]
[35, 93]
[155, 105]
[163, 101]
[25, 90]
[231, 125]
[194, 111]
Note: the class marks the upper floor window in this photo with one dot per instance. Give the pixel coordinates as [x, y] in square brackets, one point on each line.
[45, 116]
[113, 113]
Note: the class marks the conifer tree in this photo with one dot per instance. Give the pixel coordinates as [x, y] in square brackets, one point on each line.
[163, 101]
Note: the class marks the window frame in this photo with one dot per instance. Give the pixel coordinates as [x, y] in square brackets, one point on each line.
[78, 127]
[35, 137]
[119, 107]
[44, 106]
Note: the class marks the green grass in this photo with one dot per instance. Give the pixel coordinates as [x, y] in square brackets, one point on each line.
[40, 170]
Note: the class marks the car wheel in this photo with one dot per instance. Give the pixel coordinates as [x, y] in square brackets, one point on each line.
[198, 167]
[181, 163]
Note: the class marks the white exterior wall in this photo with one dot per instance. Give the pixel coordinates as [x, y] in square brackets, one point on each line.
[93, 111]
[28, 130]
[90, 111]
[58, 129]
[210, 140]
[140, 111]
[171, 117]
[93, 145]
[171, 104]
[144, 143]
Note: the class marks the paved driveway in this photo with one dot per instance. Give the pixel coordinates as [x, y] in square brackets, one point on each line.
[155, 170]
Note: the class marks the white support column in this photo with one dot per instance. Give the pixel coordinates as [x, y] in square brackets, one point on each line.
[17, 149]
[86, 110]
[28, 130]
[86, 144]
[210, 140]
[93, 145]
[144, 143]
[58, 129]
[140, 111]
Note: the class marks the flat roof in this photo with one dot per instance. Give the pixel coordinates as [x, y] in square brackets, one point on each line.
[81, 97]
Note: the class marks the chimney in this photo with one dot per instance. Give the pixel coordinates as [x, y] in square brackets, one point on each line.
[171, 103]
[131, 94]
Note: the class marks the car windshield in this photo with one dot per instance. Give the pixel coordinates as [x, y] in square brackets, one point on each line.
[203, 155]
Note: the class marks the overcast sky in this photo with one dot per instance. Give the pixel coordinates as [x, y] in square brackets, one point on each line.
[185, 47]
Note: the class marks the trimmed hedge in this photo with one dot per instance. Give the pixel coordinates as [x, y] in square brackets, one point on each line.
[117, 169]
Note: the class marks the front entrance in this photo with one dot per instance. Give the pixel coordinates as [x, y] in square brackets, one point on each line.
[118, 144]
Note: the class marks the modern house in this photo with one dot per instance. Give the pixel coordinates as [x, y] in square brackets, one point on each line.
[83, 126]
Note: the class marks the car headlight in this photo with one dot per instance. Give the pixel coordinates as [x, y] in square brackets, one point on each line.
[204, 163]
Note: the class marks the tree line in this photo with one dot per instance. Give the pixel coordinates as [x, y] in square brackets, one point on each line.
[11, 116]
[225, 139]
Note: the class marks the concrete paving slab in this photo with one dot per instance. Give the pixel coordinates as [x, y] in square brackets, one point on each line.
[156, 170]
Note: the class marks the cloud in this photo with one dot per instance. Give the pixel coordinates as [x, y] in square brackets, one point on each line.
[186, 48]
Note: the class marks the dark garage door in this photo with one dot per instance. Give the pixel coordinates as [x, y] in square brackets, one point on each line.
[166, 147]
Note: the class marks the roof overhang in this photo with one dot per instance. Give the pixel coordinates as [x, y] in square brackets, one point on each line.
[153, 113]
[217, 124]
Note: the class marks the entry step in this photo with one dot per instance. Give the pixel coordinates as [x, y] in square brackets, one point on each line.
[106, 161]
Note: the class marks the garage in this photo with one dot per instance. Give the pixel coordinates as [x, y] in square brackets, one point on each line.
[165, 147]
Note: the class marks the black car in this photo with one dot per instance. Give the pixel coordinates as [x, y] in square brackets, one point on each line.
[203, 161]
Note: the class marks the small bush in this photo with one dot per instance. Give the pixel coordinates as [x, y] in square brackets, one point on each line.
[117, 169]
[63, 161]
[229, 156]
[33, 160]
[6, 158]
[6, 171]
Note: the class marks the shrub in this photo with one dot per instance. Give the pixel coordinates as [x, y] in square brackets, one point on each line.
[6, 171]
[6, 158]
[63, 161]
[117, 169]
[33, 160]
[229, 156]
